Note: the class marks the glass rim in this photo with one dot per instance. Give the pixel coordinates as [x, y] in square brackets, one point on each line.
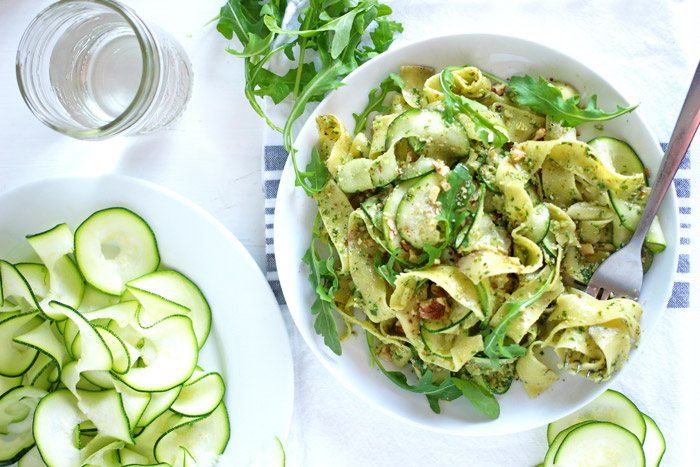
[147, 45]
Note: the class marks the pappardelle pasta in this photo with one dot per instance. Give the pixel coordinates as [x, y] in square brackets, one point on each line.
[463, 226]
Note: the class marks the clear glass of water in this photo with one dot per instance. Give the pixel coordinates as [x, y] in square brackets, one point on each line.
[92, 69]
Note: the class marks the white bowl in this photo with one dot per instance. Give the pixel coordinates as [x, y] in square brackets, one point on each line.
[502, 56]
[248, 343]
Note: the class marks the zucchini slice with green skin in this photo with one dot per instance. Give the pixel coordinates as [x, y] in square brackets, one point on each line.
[537, 224]
[442, 139]
[373, 207]
[272, 456]
[31, 459]
[438, 344]
[416, 216]
[556, 443]
[17, 407]
[200, 397]
[15, 359]
[611, 406]
[114, 246]
[600, 443]
[391, 206]
[106, 410]
[175, 287]
[619, 155]
[158, 404]
[16, 290]
[204, 439]
[55, 421]
[630, 214]
[654, 444]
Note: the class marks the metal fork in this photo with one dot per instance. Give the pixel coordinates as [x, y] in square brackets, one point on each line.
[621, 273]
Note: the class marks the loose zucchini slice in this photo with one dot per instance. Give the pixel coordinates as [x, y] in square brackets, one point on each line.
[200, 397]
[611, 406]
[55, 422]
[16, 359]
[437, 344]
[17, 407]
[654, 444]
[272, 456]
[114, 246]
[176, 288]
[106, 411]
[556, 443]
[204, 439]
[537, 224]
[416, 216]
[373, 207]
[600, 443]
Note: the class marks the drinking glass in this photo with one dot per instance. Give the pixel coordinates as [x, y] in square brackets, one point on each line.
[92, 69]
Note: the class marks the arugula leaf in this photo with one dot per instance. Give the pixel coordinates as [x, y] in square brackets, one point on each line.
[445, 391]
[376, 100]
[453, 210]
[494, 347]
[387, 270]
[481, 398]
[546, 99]
[455, 104]
[332, 29]
[325, 282]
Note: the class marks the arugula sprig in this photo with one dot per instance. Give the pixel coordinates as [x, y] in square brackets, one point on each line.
[453, 210]
[448, 390]
[546, 99]
[332, 29]
[376, 100]
[494, 340]
[325, 282]
[455, 104]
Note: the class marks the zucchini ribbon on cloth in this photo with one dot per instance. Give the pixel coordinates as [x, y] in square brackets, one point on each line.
[462, 226]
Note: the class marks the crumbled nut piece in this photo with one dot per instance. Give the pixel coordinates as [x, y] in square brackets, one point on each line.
[498, 88]
[405, 246]
[440, 167]
[445, 186]
[413, 256]
[438, 291]
[384, 353]
[539, 134]
[587, 249]
[433, 193]
[435, 308]
[517, 154]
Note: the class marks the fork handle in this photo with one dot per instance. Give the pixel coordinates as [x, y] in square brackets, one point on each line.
[686, 126]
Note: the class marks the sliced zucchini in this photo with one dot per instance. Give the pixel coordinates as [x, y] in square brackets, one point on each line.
[114, 246]
[439, 344]
[43, 339]
[364, 174]
[441, 139]
[37, 277]
[159, 403]
[391, 206]
[537, 223]
[31, 459]
[416, 216]
[654, 444]
[611, 406]
[106, 410]
[204, 439]
[373, 207]
[458, 315]
[176, 288]
[55, 422]
[167, 362]
[556, 443]
[600, 443]
[630, 214]
[15, 289]
[272, 456]
[15, 359]
[17, 407]
[200, 397]
[9, 382]
[618, 155]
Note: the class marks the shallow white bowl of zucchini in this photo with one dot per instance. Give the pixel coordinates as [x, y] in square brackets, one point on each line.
[295, 213]
[120, 338]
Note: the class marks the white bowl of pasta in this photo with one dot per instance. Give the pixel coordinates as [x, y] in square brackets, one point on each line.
[445, 219]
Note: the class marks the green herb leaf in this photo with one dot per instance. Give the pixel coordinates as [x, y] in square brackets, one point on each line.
[445, 391]
[494, 340]
[387, 270]
[376, 100]
[325, 282]
[544, 98]
[481, 398]
[453, 211]
[455, 104]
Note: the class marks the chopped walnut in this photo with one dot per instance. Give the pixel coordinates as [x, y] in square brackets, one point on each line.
[517, 154]
[384, 353]
[392, 227]
[435, 308]
[587, 249]
[433, 193]
[498, 89]
[440, 167]
[413, 256]
[399, 329]
[539, 134]
[405, 246]
[438, 291]
[445, 186]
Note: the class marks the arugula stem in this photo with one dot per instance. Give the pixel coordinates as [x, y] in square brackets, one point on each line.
[302, 53]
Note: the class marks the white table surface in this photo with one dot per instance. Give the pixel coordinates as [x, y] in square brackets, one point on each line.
[213, 157]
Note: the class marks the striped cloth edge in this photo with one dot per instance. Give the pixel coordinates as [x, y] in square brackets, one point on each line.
[275, 157]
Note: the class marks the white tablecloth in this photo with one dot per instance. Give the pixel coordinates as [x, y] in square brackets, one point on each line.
[648, 49]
